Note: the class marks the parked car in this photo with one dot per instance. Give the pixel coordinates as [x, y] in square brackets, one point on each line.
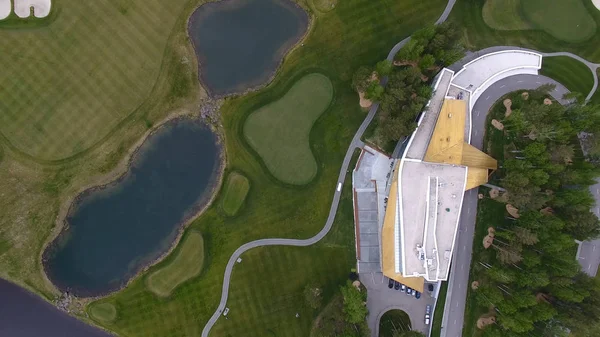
[417, 294]
[402, 288]
[390, 283]
[430, 287]
[428, 309]
[396, 285]
[427, 317]
[408, 291]
[414, 292]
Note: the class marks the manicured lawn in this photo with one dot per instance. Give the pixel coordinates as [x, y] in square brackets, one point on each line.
[104, 312]
[477, 34]
[438, 315]
[504, 15]
[573, 74]
[236, 189]
[280, 131]
[566, 20]
[186, 263]
[392, 321]
[68, 84]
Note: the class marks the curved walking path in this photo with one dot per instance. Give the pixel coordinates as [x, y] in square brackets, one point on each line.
[356, 143]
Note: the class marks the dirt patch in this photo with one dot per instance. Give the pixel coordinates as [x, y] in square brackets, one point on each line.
[480, 196]
[497, 124]
[488, 240]
[513, 211]
[547, 211]
[475, 285]
[494, 193]
[356, 284]
[405, 63]
[507, 104]
[364, 103]
[525, 95]
[485, 320]
[547, 101]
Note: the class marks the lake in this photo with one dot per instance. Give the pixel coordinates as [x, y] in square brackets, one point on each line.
[23, 314]
[240, 43]
[116, 230]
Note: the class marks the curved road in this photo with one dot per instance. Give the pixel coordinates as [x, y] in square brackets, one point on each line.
[356, 143]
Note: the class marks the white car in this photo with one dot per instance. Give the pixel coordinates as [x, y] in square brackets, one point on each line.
[427, 319]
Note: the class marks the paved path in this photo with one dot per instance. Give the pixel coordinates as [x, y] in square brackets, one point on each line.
[454, 310]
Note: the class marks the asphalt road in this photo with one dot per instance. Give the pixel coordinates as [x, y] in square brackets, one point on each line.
[589, 251]
[454, 309]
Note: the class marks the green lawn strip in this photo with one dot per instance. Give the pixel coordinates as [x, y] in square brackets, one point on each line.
[504, 15]
[236, 189]
[393, 321]
[438, 315]
[573, 74]
[478, 35]
[566, 20]
[280, 131]
[104, 312]
[187, 263]
[355, 33]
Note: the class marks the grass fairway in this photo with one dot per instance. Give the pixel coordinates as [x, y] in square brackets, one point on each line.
[186, 264]
[280, 131]
[504, 15]
[355, 33]
[393, 321]
[103, 312]
[236, 189]
[573, 74]
[477, 34]
[566, 20]
[68, 84]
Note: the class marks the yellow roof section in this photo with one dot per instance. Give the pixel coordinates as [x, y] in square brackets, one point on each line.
[448, 136]
[472, 157]
[476, 176]
[387, 242]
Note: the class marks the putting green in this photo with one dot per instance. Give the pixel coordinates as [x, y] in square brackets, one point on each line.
[504, 15]
[566, 20]
[236, 189]
[186, 264]
[280, 131]
[104, 312]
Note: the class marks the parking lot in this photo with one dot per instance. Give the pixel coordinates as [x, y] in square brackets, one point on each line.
[381, 299]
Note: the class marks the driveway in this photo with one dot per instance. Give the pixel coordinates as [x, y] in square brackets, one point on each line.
[382, 299]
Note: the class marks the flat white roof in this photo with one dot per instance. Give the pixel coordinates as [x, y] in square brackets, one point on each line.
[41, 8]
[5, 9]
[477, 72]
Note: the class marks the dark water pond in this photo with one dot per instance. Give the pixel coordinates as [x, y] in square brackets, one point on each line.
[240, 43]
[115, 230]
[22, 314]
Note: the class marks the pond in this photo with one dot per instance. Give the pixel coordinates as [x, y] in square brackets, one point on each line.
[22, 314]
[114, 231]
[240, 43]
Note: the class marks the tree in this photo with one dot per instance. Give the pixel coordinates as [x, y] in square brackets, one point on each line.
[354, 303]
[361, 79]
[384, 68]
[313, 296]
[411, 333]
[427, 61]
[374, 91]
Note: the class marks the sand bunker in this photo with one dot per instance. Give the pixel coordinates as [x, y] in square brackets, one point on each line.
[488, 240]
[497, 124]
[507, 104]
[525, 95]
[596, 3]
[41, 8]
[475, 285]
[364, 103]
[484, 321]
[5, 9]
[513, 211]
[547, 101]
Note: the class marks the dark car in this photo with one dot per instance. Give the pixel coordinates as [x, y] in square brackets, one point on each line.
[390, 283]
[396, 285]
[430, 287]
[417, 294]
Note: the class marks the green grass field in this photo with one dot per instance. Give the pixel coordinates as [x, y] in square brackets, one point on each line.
[236, 189]
[566, 20]
[393, 321]
[438, 315]
[477, 34]
[573, 74]
[103, 312]
[67, 85]
[280, 131]
[186, 264]
[504, 15]
[355, 33]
